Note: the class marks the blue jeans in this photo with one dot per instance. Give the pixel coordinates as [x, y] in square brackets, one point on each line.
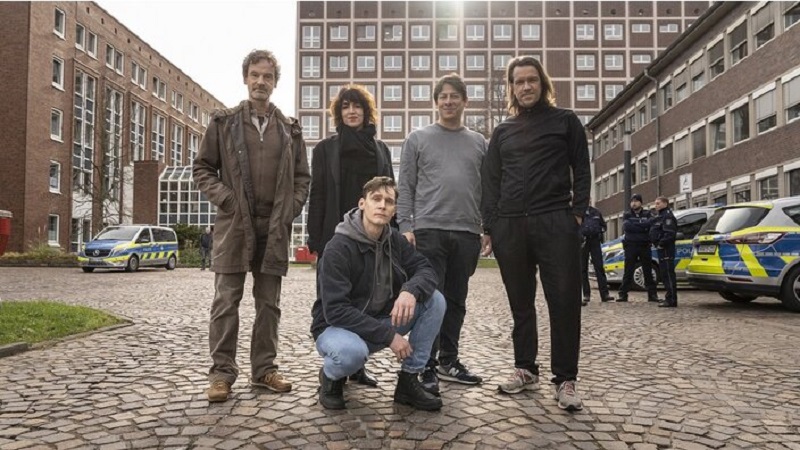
[344, 352]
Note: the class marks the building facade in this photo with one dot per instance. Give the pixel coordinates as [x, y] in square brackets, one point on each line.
[713, 120]
[93, 116]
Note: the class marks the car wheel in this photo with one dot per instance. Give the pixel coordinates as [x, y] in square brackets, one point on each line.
[736, 298]
[790, 292]
[638, 276]
[133, 264]
[171, 262]
[88, 269]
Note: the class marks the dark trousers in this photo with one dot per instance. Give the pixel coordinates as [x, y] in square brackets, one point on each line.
[454, 257]
[591, 247]
[666, 263]
[550, 243]
[638, 253]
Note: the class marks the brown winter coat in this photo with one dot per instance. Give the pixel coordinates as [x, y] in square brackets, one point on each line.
[222, 172]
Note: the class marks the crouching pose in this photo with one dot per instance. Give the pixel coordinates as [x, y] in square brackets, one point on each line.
[374, 287]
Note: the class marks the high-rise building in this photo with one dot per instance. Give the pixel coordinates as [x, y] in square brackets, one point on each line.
[92, 117]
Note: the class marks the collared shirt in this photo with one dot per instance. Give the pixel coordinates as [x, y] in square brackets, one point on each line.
[262, 128]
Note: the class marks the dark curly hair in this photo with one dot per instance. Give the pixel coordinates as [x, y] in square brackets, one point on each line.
[354, 93]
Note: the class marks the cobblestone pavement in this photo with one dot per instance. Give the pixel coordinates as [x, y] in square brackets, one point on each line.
[709, 374]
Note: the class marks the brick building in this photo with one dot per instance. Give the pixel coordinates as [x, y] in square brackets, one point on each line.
[714, 119]
[92, 116]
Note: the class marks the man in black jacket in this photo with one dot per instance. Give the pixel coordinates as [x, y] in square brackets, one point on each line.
[592, 230]
[663, 232]
[374, 287]
[636, 244]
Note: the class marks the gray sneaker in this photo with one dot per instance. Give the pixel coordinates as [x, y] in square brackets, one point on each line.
[568, 397]
[522, 379]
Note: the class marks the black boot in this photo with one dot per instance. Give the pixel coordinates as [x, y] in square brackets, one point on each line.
[364, 377]
[331, 392]
[409, 391]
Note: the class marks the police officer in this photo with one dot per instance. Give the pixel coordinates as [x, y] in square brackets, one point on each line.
[636, 244]
[592, 229]
[663, 231]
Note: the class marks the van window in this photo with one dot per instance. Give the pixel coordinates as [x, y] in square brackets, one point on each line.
[690, 225]
[729, 220]
[162, 235]
[117, 233]
[794, 213]
[144, 237]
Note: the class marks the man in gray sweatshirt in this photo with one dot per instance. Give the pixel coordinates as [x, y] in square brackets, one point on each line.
[438, 211]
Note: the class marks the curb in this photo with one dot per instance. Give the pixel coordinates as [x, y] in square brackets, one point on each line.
[21, 347]
[13, 349]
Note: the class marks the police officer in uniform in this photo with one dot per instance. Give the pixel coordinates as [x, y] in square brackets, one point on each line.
[592, 229]
[663, 231]
[636, 226]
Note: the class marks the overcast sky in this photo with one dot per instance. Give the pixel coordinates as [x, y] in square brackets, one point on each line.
[208, 40]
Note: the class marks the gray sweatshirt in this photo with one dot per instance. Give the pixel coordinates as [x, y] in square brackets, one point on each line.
[440, 180]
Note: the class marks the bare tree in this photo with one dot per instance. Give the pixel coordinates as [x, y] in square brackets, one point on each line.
[496, 102]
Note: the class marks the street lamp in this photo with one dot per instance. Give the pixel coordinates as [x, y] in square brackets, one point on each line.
[626, 159]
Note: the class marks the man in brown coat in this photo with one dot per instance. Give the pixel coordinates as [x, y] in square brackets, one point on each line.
[252, 165]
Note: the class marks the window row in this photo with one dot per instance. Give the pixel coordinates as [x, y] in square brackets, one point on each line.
[611, 61]
[311, 95]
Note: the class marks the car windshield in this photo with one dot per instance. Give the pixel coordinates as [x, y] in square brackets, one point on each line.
[117, 234]
[728, 220]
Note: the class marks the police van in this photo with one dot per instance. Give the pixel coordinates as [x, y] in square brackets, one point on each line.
[129, 247]
[749, 250]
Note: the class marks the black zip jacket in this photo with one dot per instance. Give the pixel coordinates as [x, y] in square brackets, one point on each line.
[593, 225]
[636, 226]
[663, 228]
[537, 162]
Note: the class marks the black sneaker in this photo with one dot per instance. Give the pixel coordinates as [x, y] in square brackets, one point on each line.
[456, 372]
[585, 301]
[409, 391]
[430, 381]
[622, 298]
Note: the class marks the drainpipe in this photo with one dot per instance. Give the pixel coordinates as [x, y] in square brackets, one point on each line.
[658, 134]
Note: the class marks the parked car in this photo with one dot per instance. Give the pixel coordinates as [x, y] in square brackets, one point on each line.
[689, 223]
[749, 250]
[130, 247]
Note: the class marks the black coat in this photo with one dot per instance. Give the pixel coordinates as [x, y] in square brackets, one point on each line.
[593, 225]
[636, 226]
[663, 228]
[323, 200]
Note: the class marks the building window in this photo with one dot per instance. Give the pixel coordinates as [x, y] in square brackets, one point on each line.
[392, 63]
[681, 151]
[668, 28]
[766, 116]
[392, 33]
[612, 90]
[643, 176]
[794, 182]
[177, 145]
[764, 25]
[91, 45]
[641, 58]
[741, 193]
[58, 73]
[586, 92]
[312, 37]
[55, 177]
[682, 89]
[653, 106]
[365, 63]
[138, 75]
[392, 93]
[476, 62]
[333, 91]
[418, 122]
[502, 32]
[60, 23]
[475, 122]
[791, 98]
[112, 140]
[667, 156]
[310, 67]
[420, 62]
[159, 89]
[158, 137]
[791, 14]
[448, 32]
[204, 118]
[741, 123]
[716, 60]
[499, 62]
[137, 131]
[84, 110]
[365, 33]
[420, 92]
[584, 32]
[613, 62]
[768, 188]
[114, 59]
[56, 125]
[698, 73]
[177, 100]
[476, 32]
[193, 111]
[340, 33]
[584, 62]
[310, 96]
[392, 124]
[738, 43]
[530, 32]
[613, 32]
[716, 129]
[80, 36]
[194, 145]
[640, 28]
[420, 32]
[52, 229]
[476, 92]
[310, 127]
[448, 62]
[699, 143]
[337, 63]
[666, 95]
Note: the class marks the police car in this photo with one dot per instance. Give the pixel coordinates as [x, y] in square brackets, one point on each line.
[130, 247]
[689, 223]
[749, 250]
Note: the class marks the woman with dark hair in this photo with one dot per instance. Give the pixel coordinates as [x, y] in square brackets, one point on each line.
[340, 166]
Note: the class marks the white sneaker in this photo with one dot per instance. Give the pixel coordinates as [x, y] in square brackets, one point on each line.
[568, 397]
[522, 379]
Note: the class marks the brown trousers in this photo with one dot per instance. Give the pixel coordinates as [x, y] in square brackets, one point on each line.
[223, 328]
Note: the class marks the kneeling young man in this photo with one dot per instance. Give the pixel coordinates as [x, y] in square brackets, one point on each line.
[374, 288]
